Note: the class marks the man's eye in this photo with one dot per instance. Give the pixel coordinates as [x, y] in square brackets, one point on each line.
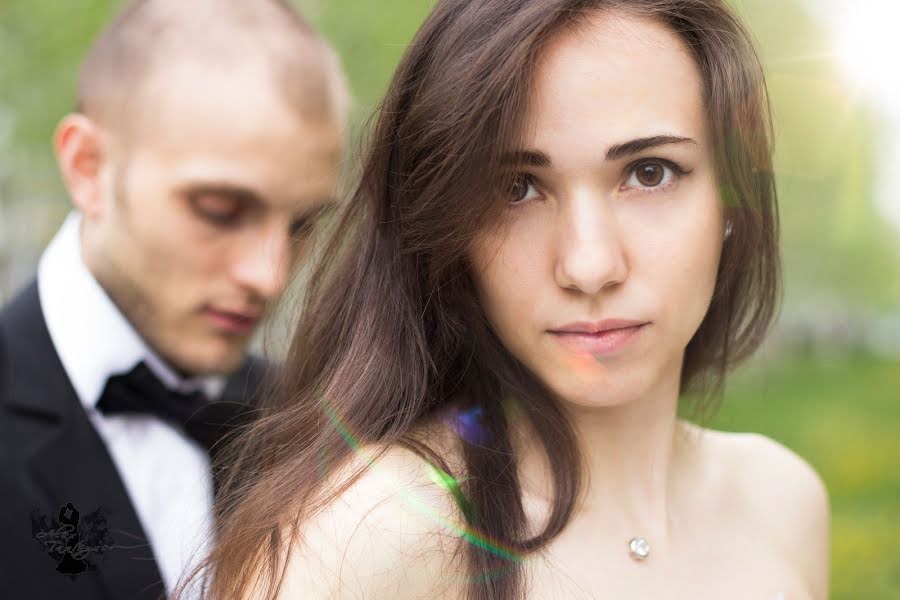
[523, 188]
[217, 209]
[301, 227]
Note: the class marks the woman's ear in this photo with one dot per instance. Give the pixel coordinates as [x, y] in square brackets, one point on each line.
[80, 150]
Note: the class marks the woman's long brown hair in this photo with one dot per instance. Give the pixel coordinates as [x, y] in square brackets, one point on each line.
[390, 330]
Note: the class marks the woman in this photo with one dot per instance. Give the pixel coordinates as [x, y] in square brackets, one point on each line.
[566, 221]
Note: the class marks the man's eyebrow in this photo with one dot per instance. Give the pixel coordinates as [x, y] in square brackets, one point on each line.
[631, 147]
[222, 189]
[319, 210]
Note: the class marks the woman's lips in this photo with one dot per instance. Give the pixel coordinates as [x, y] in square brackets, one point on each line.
[234, 323]
[603, 342]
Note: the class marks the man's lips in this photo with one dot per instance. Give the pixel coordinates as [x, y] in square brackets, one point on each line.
[240, 323]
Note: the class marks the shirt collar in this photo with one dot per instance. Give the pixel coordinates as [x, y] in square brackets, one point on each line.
[92, 337]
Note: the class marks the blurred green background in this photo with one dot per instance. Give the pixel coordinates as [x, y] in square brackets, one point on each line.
[828, 382]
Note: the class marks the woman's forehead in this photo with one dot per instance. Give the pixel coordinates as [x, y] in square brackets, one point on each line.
[615, 78]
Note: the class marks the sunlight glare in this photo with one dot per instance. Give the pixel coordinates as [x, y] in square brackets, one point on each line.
[869, 48]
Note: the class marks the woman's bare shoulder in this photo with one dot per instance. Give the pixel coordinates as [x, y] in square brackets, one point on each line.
[389, 534]
[781, 495]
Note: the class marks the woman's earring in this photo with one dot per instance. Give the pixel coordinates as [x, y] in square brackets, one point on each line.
[728, 229]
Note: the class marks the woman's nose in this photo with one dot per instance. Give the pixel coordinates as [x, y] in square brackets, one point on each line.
[591, 255]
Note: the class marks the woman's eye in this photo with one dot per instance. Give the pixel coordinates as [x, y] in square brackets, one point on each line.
[523, 189]
[651, 174]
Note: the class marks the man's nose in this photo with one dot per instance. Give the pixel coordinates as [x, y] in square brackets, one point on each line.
[263, 263]
[591, 254]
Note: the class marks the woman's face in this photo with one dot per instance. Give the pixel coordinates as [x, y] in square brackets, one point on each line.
[615, 217]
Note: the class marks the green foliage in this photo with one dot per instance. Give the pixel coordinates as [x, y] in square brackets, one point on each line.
[42, 43]
[836, 246]
[842, 416]
[370, 37]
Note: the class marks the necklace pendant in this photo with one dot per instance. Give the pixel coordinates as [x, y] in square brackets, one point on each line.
[639, 548]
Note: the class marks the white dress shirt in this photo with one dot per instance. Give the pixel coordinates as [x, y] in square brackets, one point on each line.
[166, 474]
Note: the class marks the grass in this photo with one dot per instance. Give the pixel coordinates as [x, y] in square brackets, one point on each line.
[843, 416]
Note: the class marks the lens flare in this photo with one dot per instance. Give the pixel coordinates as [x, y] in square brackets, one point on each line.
[444, 480]
[467, 423]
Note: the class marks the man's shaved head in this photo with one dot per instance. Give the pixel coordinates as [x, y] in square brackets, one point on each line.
[206, 146]
[127, 67]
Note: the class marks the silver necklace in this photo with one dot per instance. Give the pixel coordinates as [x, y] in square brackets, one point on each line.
[639, 548]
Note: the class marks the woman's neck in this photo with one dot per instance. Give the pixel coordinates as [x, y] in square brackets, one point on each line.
[635, 460]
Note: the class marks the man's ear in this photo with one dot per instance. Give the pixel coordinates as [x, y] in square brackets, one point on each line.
[81, 152]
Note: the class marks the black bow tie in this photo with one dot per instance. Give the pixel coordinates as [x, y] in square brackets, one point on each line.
[141, 392]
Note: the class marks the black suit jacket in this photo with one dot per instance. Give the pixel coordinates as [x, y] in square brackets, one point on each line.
[51, 456]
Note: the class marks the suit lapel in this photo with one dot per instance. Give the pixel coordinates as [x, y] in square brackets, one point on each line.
[246, 384]
[244, 389]
[61, 455]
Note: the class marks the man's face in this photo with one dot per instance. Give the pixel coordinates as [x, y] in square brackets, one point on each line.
[202, 209]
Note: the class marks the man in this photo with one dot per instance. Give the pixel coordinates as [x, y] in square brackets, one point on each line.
[206, 140]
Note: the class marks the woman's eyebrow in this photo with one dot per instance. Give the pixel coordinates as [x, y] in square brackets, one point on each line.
[527, 158]
[629, 148]
[536, 158]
